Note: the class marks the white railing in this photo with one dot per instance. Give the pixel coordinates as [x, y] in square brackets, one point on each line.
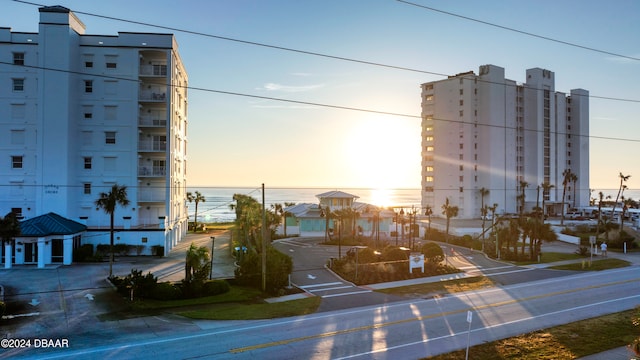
[151, 195]
[152, 120]
[152, 146]
[152, 171]
[153, 70]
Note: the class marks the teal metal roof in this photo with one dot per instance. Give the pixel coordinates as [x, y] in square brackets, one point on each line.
[49, 224]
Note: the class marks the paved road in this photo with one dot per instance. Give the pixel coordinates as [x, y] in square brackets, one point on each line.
[401, 330]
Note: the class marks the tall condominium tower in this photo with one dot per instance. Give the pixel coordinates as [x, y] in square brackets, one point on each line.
[488, 140]
[81, 113]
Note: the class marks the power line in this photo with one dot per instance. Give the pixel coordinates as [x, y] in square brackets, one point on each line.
[331, 106]
[313, 53]
[520, 31]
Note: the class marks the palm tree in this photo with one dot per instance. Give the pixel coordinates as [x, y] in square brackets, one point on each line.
[197, 198]
[9, 228]
[428, 211]
[449, 211]
[546, 188]
[483, 210]
[623, 179]
[197, 264]
[108, 202]
[626, 204]
[566, 179]
[280, 210]
[521, 197]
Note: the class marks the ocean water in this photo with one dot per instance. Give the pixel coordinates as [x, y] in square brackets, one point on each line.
[217, 199]
[216, 208]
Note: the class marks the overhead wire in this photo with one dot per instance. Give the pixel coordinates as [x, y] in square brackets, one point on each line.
[317, 104]
[319, 54]
[547, 38]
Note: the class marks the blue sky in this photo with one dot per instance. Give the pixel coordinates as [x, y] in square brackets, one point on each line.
[244, 141]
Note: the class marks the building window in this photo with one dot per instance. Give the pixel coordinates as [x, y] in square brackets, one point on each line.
[429, 98]
[18, 85]
[461, 146]
[461, 167]
[429, 148]
[428, 138]
[429, 169]
[461, 189]
[18, 58]
[88, 64]
[461, 178]
[461, 157]
[428, 189]
[111, 65]
[88, 86]
[428, 158]
[428, 178]
[109, 137]
[86, 188]
[461, 102]
[461, 113]
[16, 162]
[461, 91]
[87, 162]
[428, 128]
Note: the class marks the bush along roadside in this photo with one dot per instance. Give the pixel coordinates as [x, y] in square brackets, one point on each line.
[137, 286]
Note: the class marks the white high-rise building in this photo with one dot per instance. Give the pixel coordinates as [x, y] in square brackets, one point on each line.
[80, 113]
[485, 132]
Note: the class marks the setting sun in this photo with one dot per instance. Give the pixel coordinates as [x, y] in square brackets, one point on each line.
[382, 153]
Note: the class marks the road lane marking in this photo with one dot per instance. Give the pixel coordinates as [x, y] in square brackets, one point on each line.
[443, 314]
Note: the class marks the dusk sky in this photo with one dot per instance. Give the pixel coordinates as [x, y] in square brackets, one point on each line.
[245, 141]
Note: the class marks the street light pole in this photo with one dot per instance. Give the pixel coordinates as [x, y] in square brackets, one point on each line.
[211, 269]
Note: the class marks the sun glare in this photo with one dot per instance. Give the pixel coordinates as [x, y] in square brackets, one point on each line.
[384, 153]
[381, 197]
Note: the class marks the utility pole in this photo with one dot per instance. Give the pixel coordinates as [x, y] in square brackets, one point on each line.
[213, 238]
[264, 243]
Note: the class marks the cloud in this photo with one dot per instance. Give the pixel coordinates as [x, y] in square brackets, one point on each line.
[290, 88]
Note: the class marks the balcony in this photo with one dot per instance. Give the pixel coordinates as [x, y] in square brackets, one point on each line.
[153, 95]
[152, 145]
[159, 70]
[152, 120]
[152, 171]
[151, 195]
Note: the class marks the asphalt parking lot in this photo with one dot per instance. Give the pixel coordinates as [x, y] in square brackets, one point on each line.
[76, 300]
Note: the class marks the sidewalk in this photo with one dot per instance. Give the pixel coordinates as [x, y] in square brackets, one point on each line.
[171, 268]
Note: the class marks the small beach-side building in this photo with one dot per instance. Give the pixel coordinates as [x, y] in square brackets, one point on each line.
[336, 212]
[44, 240]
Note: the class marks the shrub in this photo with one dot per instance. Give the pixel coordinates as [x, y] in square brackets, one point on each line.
[143, 286]
[121, 249]
[367, 255]
[157, 250]
[433, 252]
[392, 253]
[166, 291]
[103, 248]
[279, 266]
[83, 253]
[215, 287]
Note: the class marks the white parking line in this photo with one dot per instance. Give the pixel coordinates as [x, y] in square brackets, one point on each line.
[317, 285]
[348, 293]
